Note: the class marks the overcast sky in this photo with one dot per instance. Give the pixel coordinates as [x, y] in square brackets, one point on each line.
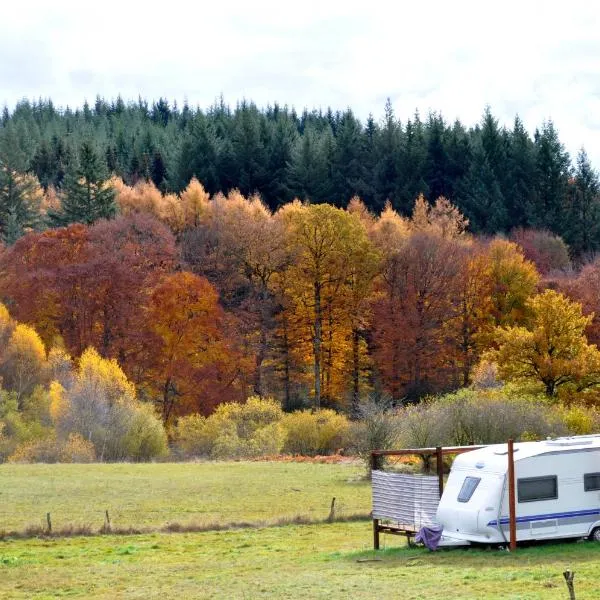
[538, 59]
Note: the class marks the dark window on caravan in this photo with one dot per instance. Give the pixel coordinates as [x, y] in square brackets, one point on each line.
[468, 487]
[532, 489]
[591, 482]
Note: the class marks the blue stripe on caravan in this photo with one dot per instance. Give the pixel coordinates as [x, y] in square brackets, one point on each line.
[561, 515]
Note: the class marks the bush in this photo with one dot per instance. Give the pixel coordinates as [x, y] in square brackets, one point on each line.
[376, 429]
[101, 405]
[233, 431]
[479, 417]
[50, 450]
[192, 436]
[310, 433]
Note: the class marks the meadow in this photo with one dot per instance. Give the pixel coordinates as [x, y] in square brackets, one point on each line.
[309, 561]
[155, 495]
[325, 560]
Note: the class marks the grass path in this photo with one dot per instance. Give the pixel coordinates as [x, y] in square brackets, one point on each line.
[152, 495]
[288, 562]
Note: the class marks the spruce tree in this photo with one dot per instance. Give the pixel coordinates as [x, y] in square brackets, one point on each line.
[553, 170]
[20, 193]
[582, 231]
[85, 196]
[387, 148]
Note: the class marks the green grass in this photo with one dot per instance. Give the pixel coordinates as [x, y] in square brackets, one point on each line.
[328, 561]
[152, 495]
[312, 561]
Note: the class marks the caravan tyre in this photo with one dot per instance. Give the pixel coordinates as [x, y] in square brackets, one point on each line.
[595, 535]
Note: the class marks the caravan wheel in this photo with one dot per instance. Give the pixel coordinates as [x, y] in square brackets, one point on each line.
[595, 535]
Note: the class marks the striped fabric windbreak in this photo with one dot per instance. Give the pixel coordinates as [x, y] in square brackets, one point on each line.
[411, 500]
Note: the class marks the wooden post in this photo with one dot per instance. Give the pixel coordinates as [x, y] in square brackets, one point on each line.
[569, 576]
[331, 517]
[440, 468]
[374, 465]
[512, 516]
[49, 522]
[375, 534]
[374, 461]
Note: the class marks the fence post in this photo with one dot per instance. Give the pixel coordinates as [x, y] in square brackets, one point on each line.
[375, 534]
[512, 517]
[440, 469]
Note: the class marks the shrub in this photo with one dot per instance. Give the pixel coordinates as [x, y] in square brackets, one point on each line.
[311, 433]
[101, 405]
[479, 417]
[192, 437]
[77, 450]
[376, 429]
[50, 450]
[233, 431]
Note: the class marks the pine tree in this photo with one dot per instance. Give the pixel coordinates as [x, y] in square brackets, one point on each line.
[387, 149]
[520, 190]
[553, 167]
[582, 232]
[85, 197]
[20, 193]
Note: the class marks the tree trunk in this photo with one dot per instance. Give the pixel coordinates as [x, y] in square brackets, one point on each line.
[317, 343]
[355, 370]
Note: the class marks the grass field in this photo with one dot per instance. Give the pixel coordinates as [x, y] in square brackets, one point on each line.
[152, 495]
[332, 561]
[311, 561]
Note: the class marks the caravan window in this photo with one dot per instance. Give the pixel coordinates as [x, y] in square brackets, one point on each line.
[532, 489]
[468, 487]
[591, 482]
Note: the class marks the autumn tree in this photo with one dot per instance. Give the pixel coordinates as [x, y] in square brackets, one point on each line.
[513, 280]
[101, 405]
[94, 280]
[411, 344]
[552, 349]
[548, 252]
[325, 242]
[585, 289]
[192, 365]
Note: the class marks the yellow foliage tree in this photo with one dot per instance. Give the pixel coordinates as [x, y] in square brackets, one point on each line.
[513, 279]
[552, 349]
[194, 203]
[23, 361]
[99, 376]
[329, 246]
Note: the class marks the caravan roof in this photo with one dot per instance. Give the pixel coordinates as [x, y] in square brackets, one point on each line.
[494, 457]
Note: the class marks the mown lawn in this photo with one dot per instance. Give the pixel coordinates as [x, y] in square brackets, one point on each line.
[311, 561]
[152, 495]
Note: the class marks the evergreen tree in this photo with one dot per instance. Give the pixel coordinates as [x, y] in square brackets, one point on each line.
[552, 175]
[85, 196]
[520, 190]
[413, 157]
[387, 148]
[583, 209]
[437, 165]
[20, 193]
[481, 197]
[350, 177]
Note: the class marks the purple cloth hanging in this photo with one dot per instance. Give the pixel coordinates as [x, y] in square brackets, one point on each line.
[429, 536]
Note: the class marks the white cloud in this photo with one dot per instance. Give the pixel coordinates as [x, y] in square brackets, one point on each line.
[538, 60]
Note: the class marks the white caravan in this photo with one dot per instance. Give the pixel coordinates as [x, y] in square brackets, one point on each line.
[557, 489]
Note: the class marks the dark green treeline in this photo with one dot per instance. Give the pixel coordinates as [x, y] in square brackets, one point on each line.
[500, 178]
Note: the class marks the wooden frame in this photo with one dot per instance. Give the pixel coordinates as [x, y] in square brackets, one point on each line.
[439, 453]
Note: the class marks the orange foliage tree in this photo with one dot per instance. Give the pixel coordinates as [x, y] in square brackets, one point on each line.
[192, 364]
